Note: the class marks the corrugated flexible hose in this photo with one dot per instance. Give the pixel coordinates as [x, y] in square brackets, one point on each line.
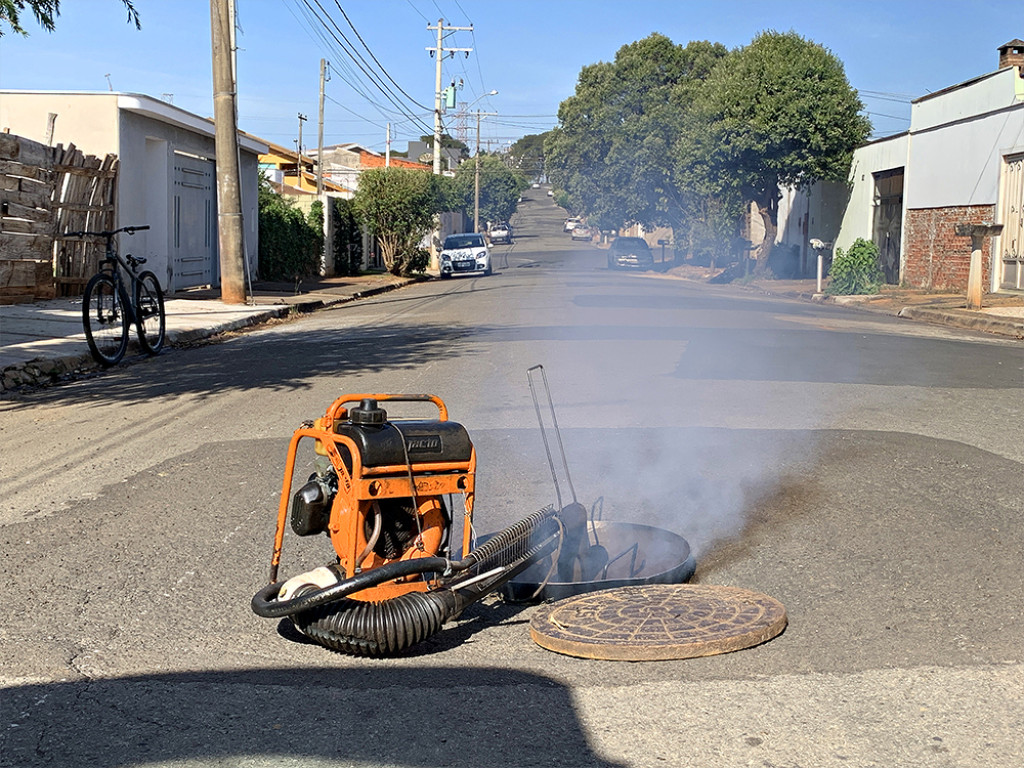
[388, 627]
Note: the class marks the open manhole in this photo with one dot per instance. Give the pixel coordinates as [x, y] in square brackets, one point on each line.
[658, 622]
[637, 555]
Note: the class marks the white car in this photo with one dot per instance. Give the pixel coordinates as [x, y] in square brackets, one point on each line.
[500, 233]
[465, 254]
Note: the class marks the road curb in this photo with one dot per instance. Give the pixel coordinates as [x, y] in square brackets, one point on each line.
[978, 322]
[196, 334]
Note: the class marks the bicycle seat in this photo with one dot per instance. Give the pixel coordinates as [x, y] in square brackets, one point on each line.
[135, 260]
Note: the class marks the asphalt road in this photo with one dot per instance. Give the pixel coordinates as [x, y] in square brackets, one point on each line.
[865, 471]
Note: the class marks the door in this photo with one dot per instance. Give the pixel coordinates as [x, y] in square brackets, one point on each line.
[193, 244]
[889, 222]
[1011, 215]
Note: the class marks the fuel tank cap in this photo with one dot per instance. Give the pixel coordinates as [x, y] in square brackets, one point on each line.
[368, 414]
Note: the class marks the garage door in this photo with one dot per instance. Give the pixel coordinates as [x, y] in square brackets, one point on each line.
[193, 242]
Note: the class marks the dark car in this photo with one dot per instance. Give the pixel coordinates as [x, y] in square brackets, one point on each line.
[630, 252]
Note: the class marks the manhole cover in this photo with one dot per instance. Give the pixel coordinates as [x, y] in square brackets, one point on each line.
[658, 622]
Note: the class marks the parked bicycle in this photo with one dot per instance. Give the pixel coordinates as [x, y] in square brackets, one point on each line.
[119, 296]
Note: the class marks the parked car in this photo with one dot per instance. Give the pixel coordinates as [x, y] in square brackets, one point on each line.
[630, 252]
[465, 254]
[571, 224]
[582, 232]
[500, 233]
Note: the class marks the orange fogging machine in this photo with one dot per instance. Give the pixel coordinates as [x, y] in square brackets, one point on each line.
[382, 492]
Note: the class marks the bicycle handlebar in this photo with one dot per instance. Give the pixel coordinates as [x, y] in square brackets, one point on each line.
[131, 230]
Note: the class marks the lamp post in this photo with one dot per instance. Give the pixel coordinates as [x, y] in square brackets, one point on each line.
[476, 164]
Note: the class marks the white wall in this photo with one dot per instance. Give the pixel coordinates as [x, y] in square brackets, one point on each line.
[964, 101]
[87, 120]
[144, 133]
[882, 155]
[960, 164]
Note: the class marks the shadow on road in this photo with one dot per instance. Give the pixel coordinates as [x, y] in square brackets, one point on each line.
[382, 716]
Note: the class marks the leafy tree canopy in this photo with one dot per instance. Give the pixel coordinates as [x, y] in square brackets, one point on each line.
[779, 111]
[611, 150]
[447, 142]
[398, 205]
[527, 154]
[46, 13]
[500, 188]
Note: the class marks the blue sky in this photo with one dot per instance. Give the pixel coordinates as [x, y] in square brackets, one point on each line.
[530, 52]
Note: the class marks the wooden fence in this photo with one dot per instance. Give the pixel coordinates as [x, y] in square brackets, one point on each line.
[45, 192]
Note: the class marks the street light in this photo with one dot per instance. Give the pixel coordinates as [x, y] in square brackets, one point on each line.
[476, 163]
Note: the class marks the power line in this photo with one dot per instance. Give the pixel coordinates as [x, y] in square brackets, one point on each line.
[349, 50]
[315, 20]
[376, 61]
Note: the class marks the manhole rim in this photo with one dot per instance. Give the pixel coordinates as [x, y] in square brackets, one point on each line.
[547, 632]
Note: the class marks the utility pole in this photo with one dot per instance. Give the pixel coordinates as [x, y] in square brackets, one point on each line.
[298, 161]
[438, 53]
[387, 148]
[320, 134]
[476, 163]
[229, 198]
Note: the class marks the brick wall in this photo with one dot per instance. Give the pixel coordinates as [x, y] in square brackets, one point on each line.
[936, 259]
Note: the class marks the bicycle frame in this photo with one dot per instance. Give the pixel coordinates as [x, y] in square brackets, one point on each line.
[112, 263]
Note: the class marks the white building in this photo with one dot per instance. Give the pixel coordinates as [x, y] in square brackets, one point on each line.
[166, 178]
[961, 161]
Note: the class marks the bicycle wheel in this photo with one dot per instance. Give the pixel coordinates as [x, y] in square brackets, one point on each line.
[149, 313]
[105, 321]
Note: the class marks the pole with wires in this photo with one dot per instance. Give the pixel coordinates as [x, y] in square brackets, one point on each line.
[438, 53]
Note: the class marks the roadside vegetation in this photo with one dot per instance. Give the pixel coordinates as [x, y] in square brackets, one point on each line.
[500, 188]
[398, 206]
[290, 243]
[687, 137]
[855, 271]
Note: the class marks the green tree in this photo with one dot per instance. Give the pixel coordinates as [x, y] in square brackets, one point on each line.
[398, 206]
[527, 155]
[290, 244]
[348, 237]
[779, 111]
[46, 13]
[612, 149]
[500, 188]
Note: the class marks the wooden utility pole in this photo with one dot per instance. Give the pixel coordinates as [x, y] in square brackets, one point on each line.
[229, 197]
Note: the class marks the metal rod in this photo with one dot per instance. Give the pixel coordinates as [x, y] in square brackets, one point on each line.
[558, 434]
[544, 437]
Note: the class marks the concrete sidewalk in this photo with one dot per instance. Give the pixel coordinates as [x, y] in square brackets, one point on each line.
[43, 342]
[1002, 314]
